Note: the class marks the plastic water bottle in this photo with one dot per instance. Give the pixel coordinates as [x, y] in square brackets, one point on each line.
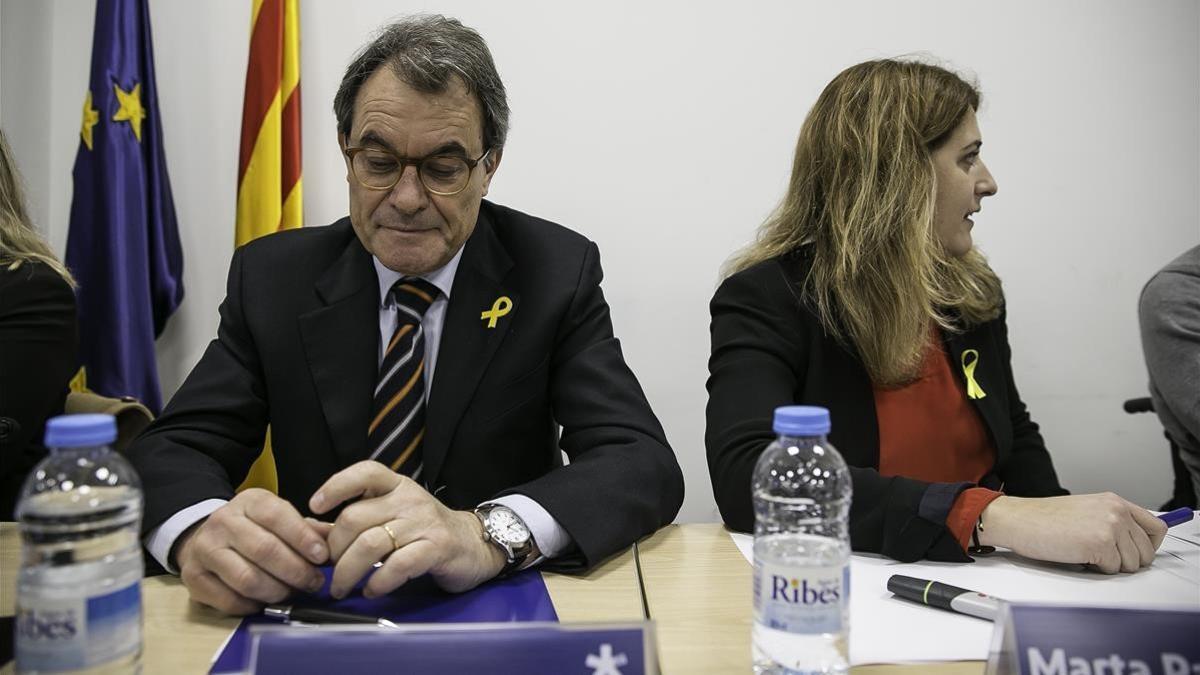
[79, 604]
[801, 494]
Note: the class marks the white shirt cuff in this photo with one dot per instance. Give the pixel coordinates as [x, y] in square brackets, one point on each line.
[550, 537]
[162, 538]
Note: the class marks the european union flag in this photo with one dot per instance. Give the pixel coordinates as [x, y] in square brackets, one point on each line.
[123, 245]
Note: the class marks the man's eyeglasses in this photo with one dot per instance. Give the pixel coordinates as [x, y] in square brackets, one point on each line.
[379, 169]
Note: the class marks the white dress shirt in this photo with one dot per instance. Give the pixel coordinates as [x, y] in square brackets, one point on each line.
[548, 534]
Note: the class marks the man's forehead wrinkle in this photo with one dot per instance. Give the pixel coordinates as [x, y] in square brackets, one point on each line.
[386, 129]
[402, 135]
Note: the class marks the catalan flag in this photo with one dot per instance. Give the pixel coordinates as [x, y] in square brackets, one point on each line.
[270, 190]
[123, 242]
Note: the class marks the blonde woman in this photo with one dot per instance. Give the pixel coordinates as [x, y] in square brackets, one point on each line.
[38, 336]
[863, 293]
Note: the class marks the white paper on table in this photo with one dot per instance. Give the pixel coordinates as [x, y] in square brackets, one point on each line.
[1189, 531]
[887, 629]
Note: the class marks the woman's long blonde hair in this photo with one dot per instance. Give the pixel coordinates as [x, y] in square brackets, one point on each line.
[19, 242]
[861, 201]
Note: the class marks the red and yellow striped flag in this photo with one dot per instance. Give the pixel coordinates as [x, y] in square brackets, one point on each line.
[270, 190]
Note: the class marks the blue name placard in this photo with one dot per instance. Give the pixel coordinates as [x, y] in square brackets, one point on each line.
[1056, 640]
[498, 648]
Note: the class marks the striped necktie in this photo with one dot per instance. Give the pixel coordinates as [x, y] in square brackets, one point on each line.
[398, 414]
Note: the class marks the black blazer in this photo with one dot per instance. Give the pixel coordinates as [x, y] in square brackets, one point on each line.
[769, 349]
[297, 349]
[39, 341]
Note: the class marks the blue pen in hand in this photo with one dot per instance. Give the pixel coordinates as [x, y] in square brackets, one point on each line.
[1177, 517]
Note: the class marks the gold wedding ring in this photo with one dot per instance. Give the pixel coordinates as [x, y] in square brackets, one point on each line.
[391, 535]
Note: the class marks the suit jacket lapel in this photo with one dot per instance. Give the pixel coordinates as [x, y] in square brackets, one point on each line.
[468, 344]
[341, 341]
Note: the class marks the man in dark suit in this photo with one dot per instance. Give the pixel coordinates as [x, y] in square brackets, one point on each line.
[415, 363]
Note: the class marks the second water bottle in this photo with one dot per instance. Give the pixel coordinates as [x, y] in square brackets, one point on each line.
[801, 491]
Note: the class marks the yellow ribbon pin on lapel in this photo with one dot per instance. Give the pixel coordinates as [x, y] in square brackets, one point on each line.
[500, 307]
[970, 359]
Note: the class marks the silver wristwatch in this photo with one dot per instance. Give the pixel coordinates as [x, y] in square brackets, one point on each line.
[503, 528]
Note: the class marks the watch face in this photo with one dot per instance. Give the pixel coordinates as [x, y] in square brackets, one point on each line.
[505, 526]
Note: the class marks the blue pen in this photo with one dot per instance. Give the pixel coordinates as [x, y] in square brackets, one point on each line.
[1176, 517]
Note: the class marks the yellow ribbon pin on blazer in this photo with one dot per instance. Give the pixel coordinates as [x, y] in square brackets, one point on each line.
[970, 359]
[500, 307]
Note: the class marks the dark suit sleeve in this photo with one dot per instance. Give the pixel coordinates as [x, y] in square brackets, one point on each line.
[1028, 471]
[623, 481]
[213, 429]
[752, 370]
[38, 344]
[758, 362]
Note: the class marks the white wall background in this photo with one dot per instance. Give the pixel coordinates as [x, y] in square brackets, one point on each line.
[664, 132]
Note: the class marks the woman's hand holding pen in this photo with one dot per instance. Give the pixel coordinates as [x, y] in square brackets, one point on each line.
[1101, 530]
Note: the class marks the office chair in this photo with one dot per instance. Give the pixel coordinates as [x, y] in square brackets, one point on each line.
[132, 416]
[1182, 494]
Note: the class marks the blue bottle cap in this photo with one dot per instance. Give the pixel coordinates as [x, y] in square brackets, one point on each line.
[801, 420]
[79, 431]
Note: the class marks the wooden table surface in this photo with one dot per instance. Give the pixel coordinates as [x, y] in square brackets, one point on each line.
[698, 590]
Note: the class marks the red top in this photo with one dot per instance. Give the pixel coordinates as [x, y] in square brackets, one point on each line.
[928, 430]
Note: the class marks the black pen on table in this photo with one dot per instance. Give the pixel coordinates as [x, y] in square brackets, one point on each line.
[321, 616]
[945, 596]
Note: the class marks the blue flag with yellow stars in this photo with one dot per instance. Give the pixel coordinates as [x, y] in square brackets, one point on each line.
[123, 245]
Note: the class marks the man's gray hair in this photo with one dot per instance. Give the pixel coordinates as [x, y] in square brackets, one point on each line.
[425, 51]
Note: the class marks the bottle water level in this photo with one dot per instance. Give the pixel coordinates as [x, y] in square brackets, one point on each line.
[78, 595]
[801, 605]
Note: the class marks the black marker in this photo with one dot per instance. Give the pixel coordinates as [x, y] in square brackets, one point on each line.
[945, 596]
[315, 615]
